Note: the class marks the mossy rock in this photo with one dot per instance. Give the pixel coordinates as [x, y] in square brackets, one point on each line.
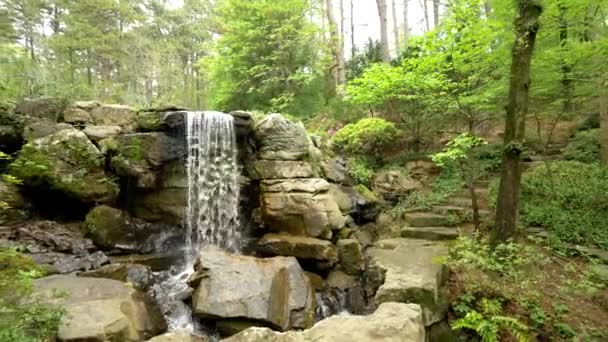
[68, 162]
[369, 195]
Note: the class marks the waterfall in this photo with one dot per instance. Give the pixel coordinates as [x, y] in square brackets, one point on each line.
[212, 212]
[213, 188]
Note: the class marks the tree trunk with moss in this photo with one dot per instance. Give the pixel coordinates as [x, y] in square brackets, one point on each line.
[526, 27]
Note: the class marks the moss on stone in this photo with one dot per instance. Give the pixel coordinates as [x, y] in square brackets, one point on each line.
[367, 193]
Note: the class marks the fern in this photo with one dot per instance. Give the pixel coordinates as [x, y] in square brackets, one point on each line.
[488, 327]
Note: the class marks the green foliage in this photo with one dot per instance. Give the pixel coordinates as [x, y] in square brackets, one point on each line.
[584, 147]
[458, 149]
[266, 57]
[23, 318]
[366, 138]
[361, 170]
[487, 321]
[371, 54]
[448, 183]
[569, 201]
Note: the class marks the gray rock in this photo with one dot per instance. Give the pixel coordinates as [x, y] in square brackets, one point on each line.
[41, 129]
[392, 322]
[114, 115]
[351, 256]
[12, 203]
[300, 207]
[334, 169]
[274, 290]
[297, 246]
[340, 280]
[281, 139]
[139, 276]
[44, 108]
[76, 115]
[100, 310]
[96, 133]
[85, 262]
[274, 169]
[393, 184]
[165, 121]
[179, 336]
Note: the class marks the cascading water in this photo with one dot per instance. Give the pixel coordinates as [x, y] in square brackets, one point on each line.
[212, 212]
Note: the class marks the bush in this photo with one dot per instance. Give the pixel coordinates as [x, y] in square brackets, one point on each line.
[570, 201]
[367, 137]
[361, 170]
[584, 147]
[33, 322]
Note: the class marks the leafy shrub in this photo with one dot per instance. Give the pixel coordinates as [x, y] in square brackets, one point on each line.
[33, 322]
[570, 201]
[489, 157]
[448, 183]
[361, 170]
[591, 121]
[367, 137]
[584, 147]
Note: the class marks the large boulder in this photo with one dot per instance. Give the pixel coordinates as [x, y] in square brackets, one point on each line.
[363, 205]
[152, 121]
[114, 115]
[392, 322]
[142, 155]
[100, 310]
[96, 133]
[44, 108]
[277, 169]
[301, 247]
[411, 274]
[114, 228]
[77, 115]
[334, 169]
[280, 139]
[140, 276]
[273, 291]
[68, 162]
[300, 207]
[179, 336]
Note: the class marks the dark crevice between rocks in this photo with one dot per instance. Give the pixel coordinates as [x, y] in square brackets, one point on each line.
[50, 204]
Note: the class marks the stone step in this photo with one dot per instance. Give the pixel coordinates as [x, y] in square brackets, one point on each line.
[458, 210]
[466, 203]
[412, 274]
[426, 219]
[430, 233]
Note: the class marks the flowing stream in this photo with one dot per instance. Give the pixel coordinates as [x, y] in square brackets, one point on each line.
[212, 212]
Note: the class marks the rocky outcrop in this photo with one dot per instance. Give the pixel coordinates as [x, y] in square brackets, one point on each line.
[140, 276]
[280, 139]
[100, 310]
[300, 207]
[411, 274]
[97, 133]
[67, 162]
[114, 115]
[12, 203]
[300, 247]
[114, 228]
[351, 256]
[277, 169]
[48, 108]
[392, 185]
[393, 322]
[179, 336]
[273, 291]
[41, 129]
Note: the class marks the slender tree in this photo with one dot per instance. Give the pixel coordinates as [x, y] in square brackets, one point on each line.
[382, 14]
[395, 23]
[425, 8]
[353, 47]
[337, 69]
[435, 13]
[526, 28]
[406, 27]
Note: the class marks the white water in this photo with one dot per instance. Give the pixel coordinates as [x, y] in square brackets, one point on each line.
[212, 213]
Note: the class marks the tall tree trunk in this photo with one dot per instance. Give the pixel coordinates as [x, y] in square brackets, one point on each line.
[395, 24]
[353, 48]
[526, 27]
[566, 81]
[425, 7]
[337, 70]
[341, 58]
[406, 26]
[435, 13]
[382, 14]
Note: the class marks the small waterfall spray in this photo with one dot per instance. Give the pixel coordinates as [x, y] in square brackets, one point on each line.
[212, 212]
[213, 189]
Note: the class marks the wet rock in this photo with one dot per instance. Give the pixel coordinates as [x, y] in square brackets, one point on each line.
[41, 129]
[141, 156]
[96, 133]
[161, 121]
[351, 256]
[179, 336]
[365, 206]
[340, 280]
[84, 262]
[300, 207]
[273, 290]
[139, 276]
[165, 205]
[342, 198]
[280, 139]
[50, 236]
[68, 162]
[101, 309]
[156, 261]
[395, 322]
[114, 228]
[243, 123]
[10, 139]
[297, 246]
[114, 115]
[44, 108]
